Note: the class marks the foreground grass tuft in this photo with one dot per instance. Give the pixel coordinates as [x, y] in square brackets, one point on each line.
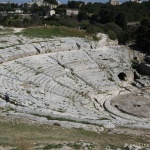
[22, 144]
[50, 31]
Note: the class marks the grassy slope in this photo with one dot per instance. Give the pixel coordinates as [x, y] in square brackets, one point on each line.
[12, 131]
[49, 31]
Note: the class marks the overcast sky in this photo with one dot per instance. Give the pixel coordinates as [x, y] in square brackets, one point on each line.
[62, 1]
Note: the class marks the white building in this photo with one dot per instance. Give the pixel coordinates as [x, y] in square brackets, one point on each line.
[138, 1]
[114, 2]
[52, 12]
[38, 2]
[72, 12]
[42, 3]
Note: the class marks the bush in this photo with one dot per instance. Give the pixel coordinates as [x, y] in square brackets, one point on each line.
[121, 35]
[112, 35]
[82, 15]
[85, 24]
[94, 30]
[134, 63]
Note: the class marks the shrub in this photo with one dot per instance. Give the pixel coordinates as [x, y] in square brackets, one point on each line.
[112, 35]
[84, 24]
[82, 15]
[94, 30]
[121, 35]
[134, 63]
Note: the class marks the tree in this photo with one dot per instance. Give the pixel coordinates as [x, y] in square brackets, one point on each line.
[63, 6]
[82, 15]
[106, 16]
[93, 8]
[112, 35]
[145, 22]
[75, 4]
[36, 19]
[61, 10]
[122, 36]
[121, 20]
[51, 2]
[94, 19]
[13, 5]
[34, 8]
[143, 36]
[25, 7]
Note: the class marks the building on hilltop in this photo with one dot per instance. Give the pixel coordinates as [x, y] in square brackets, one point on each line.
[132, 26]
[72, 12]
[38, 2]
[49, 13]
[114, 2]
[3, 3]
[42, 3]
[138, 1]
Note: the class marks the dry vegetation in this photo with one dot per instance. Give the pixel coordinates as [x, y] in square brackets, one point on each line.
[23, 136]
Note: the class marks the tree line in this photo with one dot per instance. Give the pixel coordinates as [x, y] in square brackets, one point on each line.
[92, 17]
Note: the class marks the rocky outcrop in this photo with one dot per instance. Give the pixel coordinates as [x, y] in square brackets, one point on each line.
[105, 41]
[70, 79]
[14, 47]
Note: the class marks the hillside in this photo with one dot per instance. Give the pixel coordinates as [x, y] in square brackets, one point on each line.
[72, 82]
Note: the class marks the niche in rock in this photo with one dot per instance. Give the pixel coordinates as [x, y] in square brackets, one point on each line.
[135, 58]
[122, 76]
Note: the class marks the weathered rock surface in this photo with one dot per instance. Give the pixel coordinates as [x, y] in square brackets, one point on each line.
[71, 79]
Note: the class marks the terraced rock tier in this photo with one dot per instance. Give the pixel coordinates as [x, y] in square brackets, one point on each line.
[69, 81]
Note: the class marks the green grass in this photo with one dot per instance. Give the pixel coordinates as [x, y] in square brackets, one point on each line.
[15, 133]
[50, 31]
